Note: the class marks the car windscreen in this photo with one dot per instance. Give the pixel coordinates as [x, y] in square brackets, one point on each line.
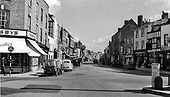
[66, 61]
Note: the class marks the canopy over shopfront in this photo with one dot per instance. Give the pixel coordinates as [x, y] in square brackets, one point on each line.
[34, 44]
[19, 45]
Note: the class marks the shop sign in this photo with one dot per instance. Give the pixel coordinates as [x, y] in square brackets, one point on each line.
[10, 48]
[12, 32]
[6, 44]
[31, 35]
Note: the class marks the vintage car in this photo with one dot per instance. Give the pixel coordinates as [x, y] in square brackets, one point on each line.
[51, 68]
[67, 65]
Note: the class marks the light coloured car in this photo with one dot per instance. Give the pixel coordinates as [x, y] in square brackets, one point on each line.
[67, 64]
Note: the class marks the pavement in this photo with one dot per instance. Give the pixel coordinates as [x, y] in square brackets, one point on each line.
[166, 88]
[37, 73]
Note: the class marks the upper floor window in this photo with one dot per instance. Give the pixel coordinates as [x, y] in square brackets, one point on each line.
[30, 3]
[46, 22]
[41, 15]
[136, 45]
[137, 33]
[37, 10]
[4, 18]
[142, 44]
[127, 41]
[166, 40]
[29, 22]
[41, 31]
[142, 32]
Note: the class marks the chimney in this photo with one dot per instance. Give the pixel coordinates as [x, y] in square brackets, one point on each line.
[119, 29]
[140, 20]
[126, 21]
[164, 15]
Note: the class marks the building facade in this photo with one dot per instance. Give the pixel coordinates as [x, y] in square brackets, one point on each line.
[26, 22]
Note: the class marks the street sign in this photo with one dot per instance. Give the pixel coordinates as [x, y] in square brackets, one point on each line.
[10, 48]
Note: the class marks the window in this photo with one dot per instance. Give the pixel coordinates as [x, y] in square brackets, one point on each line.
[29, 22]
[46, 22]
[132, 41]
[4, 18]
[136, 45]
[45, 38]
[41, 15]
[166, 40]
[127, 41]
[41, 34]
[142, 32]
[137, 33]
[142, 44]
[37, 10]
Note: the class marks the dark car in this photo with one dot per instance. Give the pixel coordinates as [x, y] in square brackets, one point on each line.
[51, 68]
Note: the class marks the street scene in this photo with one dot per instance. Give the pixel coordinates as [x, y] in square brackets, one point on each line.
[85, 48]
[89, 80]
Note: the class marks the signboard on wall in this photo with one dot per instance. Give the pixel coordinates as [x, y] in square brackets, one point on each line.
[8, 32]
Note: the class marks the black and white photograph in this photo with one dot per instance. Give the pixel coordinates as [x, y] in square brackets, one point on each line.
[84, 48]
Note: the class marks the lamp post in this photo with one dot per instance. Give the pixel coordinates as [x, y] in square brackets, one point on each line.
[10, 49]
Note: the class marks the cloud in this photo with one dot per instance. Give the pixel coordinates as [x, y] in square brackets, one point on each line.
[155, 17]
[166, 3]
[100, 43]
[55, 6]
[76, 39]
[54, 2]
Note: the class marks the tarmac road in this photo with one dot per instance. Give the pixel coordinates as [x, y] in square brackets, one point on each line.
[89, 80]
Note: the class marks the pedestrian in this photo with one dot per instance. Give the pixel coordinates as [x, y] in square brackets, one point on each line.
[3, 66]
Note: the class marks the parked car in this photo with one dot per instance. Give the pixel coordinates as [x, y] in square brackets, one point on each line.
[77, 62]
[51, 68]
[67, 64]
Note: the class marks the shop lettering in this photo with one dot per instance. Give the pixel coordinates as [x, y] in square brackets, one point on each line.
[8, 32]
[6, 44]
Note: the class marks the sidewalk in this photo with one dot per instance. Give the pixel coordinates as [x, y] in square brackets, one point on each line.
[149, 89]
[36, 73]
[164, 91]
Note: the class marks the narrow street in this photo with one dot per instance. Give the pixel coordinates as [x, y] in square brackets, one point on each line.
[89, 80]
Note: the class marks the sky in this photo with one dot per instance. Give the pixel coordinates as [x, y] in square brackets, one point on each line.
[93, 22]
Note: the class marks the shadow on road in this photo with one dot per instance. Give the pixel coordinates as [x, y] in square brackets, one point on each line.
[56, 89]
[141, 72]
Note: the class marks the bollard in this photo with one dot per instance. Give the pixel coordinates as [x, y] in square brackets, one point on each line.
[158, 83]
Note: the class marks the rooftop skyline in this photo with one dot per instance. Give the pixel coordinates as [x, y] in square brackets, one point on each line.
[95, 21]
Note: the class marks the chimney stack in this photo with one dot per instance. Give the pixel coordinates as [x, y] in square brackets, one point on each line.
[140, 20]
[164, 15]
[126, 21]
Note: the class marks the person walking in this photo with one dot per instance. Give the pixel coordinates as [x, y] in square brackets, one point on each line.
[3, 66]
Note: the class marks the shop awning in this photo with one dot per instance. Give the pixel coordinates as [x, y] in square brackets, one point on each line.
[37, 47]
[19, 45]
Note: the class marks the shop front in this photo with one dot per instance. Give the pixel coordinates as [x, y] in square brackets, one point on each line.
[25, 54]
